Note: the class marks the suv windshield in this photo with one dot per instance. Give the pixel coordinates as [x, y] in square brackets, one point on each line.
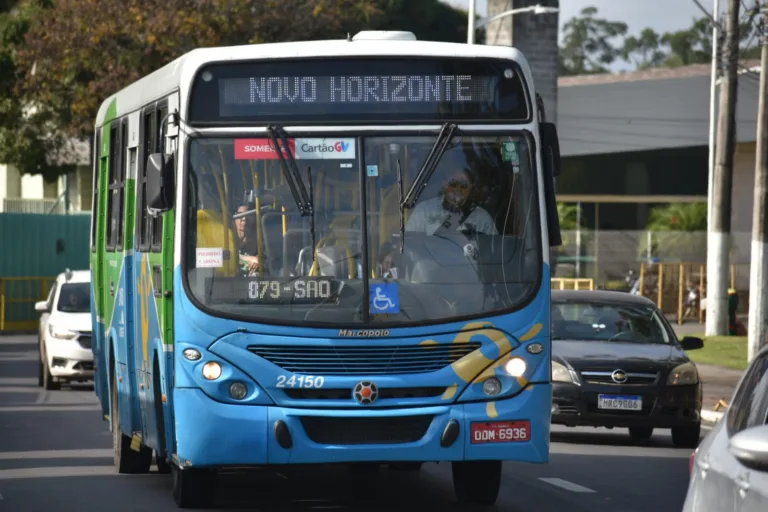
[469, 246]
[593, 321]
[75, 298]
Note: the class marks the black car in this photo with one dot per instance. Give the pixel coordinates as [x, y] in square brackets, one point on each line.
[616, 362]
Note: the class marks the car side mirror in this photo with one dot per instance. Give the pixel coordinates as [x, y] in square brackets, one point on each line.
[160, 181]
[750, 447]
[691, 343]
[41, 307]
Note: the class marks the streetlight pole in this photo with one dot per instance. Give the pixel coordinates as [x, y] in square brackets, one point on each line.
[471, 22]
[473, 25]
[712, 110]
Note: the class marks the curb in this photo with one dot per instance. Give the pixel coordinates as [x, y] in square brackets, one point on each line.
[710, 416]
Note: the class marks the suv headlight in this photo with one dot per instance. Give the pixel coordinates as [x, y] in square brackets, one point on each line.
[682, 375]
[61, 333]
[560, 373]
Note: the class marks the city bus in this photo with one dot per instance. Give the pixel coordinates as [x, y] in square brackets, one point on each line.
[325, 252]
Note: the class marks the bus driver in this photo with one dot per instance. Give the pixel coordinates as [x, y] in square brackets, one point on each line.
[454, 208]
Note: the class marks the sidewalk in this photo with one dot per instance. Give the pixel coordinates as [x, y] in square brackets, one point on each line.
[719, 384]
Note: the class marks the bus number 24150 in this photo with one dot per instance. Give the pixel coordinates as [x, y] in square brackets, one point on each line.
[300, 381]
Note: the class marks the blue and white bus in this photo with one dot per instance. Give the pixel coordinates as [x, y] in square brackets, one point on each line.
[326, 252]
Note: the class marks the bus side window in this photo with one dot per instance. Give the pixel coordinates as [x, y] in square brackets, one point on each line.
[147, 144]
[121, 175]
[96, 183]
[156, 242]
[113, 179]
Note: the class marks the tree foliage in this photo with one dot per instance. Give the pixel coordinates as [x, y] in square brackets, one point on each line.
[60, 59]
[591, 43]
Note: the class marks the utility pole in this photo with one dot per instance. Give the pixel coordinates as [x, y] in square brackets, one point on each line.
[718, 239]
[758, 277]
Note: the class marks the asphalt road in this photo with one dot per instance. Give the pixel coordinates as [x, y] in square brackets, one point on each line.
[56, 454]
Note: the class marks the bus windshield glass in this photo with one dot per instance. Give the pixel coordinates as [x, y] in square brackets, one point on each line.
[468, 246]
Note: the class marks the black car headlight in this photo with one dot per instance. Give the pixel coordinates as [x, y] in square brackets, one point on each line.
[683, 375]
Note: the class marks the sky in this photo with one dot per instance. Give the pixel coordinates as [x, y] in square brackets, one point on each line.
[660, 15]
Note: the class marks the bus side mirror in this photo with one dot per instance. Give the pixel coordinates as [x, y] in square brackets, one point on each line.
[550, 157]
[160, 182]
[550, 144]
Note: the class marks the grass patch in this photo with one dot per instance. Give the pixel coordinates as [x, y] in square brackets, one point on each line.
[729, 351]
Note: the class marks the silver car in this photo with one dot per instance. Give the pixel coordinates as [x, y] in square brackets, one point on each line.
[729, 469]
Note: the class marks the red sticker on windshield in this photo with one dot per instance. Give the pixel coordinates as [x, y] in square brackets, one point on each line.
[259, 149]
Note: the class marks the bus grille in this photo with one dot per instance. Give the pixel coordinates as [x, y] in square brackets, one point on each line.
[347, 431]
[363, 360]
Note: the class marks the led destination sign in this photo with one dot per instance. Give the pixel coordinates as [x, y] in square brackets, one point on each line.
[340, 90]
[358, 89]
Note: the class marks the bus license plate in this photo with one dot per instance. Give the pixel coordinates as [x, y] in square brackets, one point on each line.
[619, 402]
[500, 432]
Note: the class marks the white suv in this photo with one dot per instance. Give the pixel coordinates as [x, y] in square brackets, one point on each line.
[65, 331]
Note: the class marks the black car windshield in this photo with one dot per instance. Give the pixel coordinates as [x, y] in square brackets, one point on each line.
[75, 298]
[595, 321]
[468, 247]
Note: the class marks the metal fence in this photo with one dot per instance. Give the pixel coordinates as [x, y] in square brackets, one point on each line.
[39, 206]
[679, 263]
[17, 302]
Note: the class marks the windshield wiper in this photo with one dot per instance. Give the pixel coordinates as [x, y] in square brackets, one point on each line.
[400, 199]
[291, 171]
[429, 166]
[311, 212]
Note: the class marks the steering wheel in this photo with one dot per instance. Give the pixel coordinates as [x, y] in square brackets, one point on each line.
[628, 334]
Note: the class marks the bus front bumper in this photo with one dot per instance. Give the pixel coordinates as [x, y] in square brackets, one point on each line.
[214, 434]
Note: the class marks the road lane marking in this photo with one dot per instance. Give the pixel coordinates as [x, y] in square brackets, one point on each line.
[94, 453]
[46, 408]
[61, 471]
[565, 484]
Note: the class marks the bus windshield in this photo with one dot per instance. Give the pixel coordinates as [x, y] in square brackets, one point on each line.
[468, 246]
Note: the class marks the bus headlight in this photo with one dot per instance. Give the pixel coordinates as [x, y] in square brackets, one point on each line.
[561, 374]
[212, 370]
[516, 367]
[192, 354]
[492, 386]
[238, 390]
[682, 375]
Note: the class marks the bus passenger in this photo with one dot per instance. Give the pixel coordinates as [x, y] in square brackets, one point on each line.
[454, 208]
[245, 229]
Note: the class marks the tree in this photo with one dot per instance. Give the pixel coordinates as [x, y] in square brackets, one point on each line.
[431, 20]
[587, 46]
[645, 51]
[60, 60]
[27, 139]
[590, 44]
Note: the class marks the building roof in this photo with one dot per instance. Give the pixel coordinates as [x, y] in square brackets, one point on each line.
[694, 70]
[647, 110]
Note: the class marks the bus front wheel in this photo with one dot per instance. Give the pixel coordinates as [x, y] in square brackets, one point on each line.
[193, 487]
[477, 482]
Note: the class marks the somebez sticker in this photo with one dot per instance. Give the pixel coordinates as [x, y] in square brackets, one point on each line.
[209, 258]
[302, 149]
[259, 149]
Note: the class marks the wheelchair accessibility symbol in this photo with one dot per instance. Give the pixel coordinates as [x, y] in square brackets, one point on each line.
[384, 298]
